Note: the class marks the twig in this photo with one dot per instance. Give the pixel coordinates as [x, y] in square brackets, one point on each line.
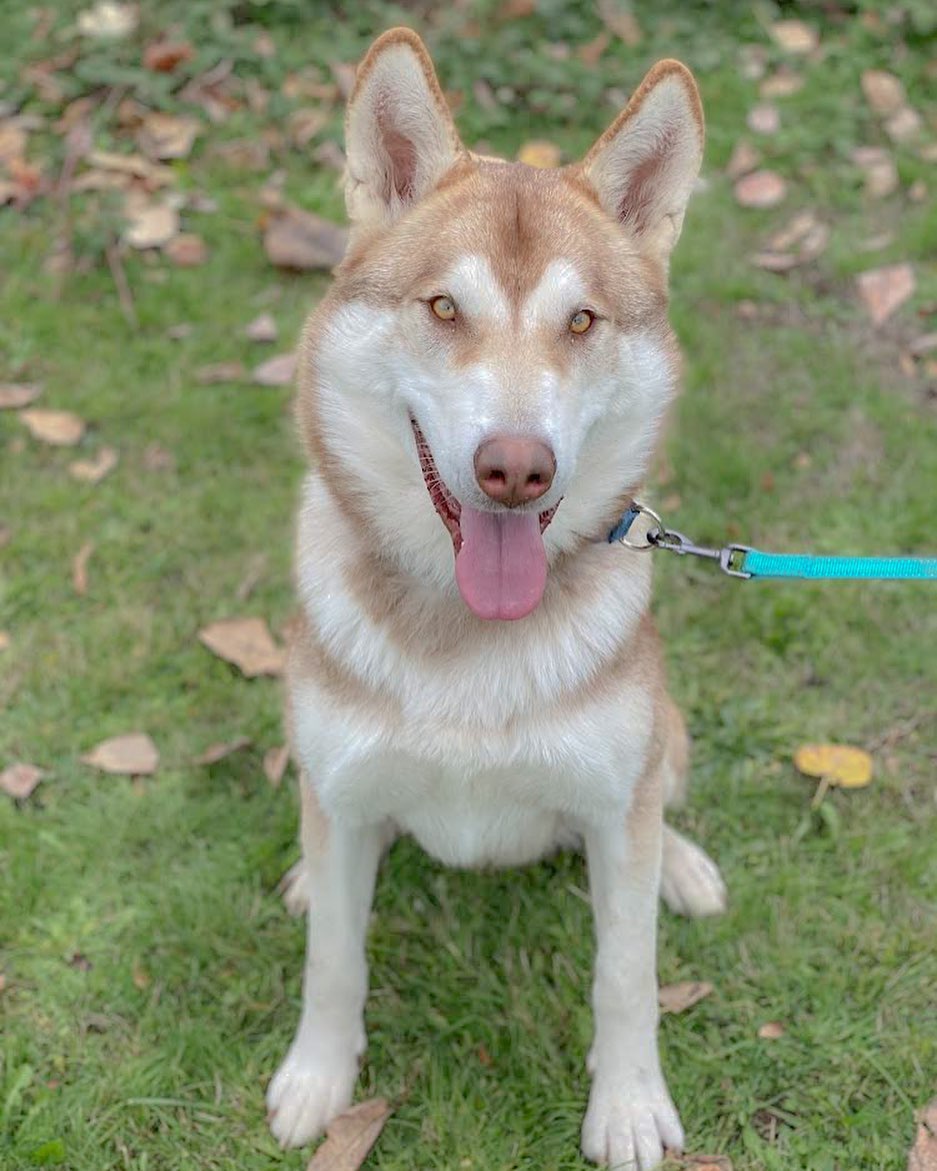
[124, 295]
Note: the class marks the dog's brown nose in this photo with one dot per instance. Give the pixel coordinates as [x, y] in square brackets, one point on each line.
[514, 471]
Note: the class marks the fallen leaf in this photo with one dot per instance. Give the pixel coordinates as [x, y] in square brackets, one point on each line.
[330, 154]
[19, 780]
[879, 169]
[679, 997]
[516, 9]
[97, 179]
[79, 961]
[619, 18]
[883, 290]
[923, 345]
[135, 165]
[589, 54]
[883, 91]
[108, 20]
[760, 189]
[221, 372]
[781, 84]
[262, 329]
[4, 640]
[923, 1155]
[157, 458]
[149, 225]
[904, 126]
[80, 568]
[539, 153]
[804, 234]
[275, 762]
[164, 56]
[215, 752]
[278, 371]
[297, 239]
[167, 136]
[698, 1163]
[93, 471]
[344, 74]
[12, 142]
[917, 192]
[794, 36]
[245, 642]
[243, 154]
[350, 1137]
[60, 428]
[304, 124]
[771, 1031]
[140, 976]
[187, 250]
[14, 395]
[133, 754]
[764, 119]
[837, 764]
[744, 158]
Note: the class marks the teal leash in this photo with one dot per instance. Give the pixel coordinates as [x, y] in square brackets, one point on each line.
[745, 562]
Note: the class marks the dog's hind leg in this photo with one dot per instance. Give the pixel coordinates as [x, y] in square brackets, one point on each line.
[690, 882]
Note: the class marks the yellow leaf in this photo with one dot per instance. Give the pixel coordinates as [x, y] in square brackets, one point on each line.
[539, 154]
[838, 764]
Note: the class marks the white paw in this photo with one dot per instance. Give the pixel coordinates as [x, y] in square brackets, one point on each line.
[690, 882]
[629, 1123]
[294, 889]
[306, 1093]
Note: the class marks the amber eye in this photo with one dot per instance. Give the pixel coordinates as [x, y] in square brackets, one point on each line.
[581, 322]
[443, 307]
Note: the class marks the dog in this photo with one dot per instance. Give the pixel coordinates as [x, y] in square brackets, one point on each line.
[480, 395]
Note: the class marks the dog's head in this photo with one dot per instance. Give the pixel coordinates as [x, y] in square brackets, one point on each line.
[492, 368]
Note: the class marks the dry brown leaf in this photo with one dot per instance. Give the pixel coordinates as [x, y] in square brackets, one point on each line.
[4, 640]
[619, 18]
[275, 762]
[304, 124]
[157, 458]
[245, 642]
[15, 395]
[140, 976]
[697, 1163]
[350, 1137]
[297, 239]
[883, 91]
[679, 997]
[917, 192]
[744, 158]
[221, 372]
[330, 154]
[794, 36]
[80, 568]
[164, 56]
[12, 142]
[904, 126]
[883, 290]
[879, 169]
[539, 153]
[923, 345]
[19, 780]
[93, 471]
[134, 165]
[589, 54]
[923, 1155]
[132, 755]
[244, 154]
[98, 179]
[167, 136]
[764, 119]
[771, 1031]
[837, 764]
[344, 74]
[187, 250]
[262, 329]
[215, 752]
[59, 428]
[760, 189]
[278, 371]
[108, 20]
[781, 84]
[149, 225]
[799, 242]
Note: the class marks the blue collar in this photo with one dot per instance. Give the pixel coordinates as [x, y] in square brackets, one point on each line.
[622, 528]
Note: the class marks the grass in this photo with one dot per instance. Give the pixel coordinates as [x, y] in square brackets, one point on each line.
[151, 975]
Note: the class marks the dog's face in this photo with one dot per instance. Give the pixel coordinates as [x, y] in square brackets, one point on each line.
[495, 360]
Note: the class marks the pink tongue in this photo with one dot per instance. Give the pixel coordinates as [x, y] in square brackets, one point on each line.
[501, 569]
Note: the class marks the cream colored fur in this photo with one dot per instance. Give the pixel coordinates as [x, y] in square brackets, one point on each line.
[491, 743]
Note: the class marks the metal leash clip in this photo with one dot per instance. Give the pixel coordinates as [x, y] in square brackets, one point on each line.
[730, 558]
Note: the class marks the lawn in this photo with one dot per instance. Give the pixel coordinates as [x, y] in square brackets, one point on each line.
[149, 975]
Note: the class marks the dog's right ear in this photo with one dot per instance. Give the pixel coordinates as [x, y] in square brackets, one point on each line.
[399, 135]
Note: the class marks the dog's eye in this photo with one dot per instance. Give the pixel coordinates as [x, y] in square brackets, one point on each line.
[581, 322]
[443, 307]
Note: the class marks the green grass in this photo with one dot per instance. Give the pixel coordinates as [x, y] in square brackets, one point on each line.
[152, 1049]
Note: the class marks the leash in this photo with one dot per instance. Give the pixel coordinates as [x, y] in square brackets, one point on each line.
[745, 562]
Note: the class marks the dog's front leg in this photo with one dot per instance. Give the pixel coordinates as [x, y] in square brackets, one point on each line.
[630, 1118]
[317, 1077]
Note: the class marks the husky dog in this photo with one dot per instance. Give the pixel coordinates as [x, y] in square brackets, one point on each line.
[480, 395]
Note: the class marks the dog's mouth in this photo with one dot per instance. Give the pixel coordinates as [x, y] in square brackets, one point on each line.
[500, 560]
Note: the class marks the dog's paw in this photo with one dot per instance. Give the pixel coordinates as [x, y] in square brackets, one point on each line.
[306, 1093]
[629, 1124]
[690, 882]
[294, 889]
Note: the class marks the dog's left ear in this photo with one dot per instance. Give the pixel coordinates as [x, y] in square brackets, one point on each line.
[399, 135]
[644, 166]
